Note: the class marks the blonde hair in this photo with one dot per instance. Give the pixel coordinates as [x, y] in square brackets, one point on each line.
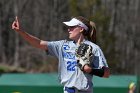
[91, 33]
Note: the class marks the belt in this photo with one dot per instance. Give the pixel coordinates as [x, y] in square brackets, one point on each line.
[70, 90]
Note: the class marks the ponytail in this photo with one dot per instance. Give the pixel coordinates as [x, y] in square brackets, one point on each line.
[91, 33]
[91, 36]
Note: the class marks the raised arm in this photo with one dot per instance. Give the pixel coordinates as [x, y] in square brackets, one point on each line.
[34, 41]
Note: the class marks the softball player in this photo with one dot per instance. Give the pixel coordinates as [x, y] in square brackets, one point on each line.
[71, 76]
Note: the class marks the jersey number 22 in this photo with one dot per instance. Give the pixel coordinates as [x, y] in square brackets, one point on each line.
[71, 65]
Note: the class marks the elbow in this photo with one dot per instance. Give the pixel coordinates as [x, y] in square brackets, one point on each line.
[106, 72]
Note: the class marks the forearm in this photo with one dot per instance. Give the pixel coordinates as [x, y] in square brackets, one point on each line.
[34, 41]
[103, 72]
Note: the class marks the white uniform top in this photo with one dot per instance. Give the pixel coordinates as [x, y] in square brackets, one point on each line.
[70, 74]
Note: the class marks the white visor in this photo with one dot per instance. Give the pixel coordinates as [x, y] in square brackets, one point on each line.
[75, 22]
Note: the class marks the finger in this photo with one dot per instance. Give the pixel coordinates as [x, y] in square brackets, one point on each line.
[16, 18]
[17, 22]
[13, 25]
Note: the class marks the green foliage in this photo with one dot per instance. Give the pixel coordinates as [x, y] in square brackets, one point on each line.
[81, 7]
[92, 9]
[73, 7]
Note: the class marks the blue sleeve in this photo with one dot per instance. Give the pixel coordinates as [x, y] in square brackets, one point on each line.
[98, 59]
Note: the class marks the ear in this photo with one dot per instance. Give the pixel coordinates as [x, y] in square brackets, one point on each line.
[82, 29]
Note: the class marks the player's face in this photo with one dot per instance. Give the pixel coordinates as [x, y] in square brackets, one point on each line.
[74, 32]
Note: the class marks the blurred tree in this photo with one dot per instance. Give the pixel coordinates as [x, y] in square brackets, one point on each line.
[41, 18]
[117, 24]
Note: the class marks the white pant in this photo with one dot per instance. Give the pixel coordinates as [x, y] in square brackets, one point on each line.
[77, 91]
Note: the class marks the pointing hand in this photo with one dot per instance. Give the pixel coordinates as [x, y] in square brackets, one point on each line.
[15, 24]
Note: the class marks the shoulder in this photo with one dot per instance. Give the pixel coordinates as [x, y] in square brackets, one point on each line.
[95, 47]
[57, 42]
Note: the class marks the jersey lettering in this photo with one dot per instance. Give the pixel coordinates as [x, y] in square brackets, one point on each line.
[66, 47]
[68, 55]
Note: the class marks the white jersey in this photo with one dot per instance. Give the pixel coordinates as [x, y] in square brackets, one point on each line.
[70, 74]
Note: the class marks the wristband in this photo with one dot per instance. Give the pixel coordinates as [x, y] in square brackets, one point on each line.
[97, 72]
